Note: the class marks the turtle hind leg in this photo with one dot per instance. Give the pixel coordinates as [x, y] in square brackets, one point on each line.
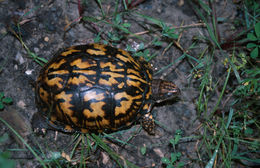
[148, 123]
[39, 124]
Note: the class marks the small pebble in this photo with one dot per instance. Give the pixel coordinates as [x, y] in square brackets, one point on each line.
[19, 58]
[21, 104]
[36, 50]
[158, 152]
[46, 39]
[15, 66]
[28, 71]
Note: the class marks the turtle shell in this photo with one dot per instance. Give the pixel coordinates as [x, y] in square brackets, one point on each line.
[93, 88]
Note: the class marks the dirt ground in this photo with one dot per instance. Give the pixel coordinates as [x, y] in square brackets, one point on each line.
[43, 33]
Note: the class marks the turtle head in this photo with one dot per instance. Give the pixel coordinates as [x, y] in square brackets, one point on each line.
[164, 90]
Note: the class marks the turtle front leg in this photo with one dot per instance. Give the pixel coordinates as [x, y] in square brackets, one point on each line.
[148, 123]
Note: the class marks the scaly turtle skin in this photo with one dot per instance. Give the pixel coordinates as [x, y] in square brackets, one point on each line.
[97, 88]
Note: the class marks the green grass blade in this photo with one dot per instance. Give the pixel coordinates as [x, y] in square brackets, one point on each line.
[101, 8]
[155, 21]
[111, 153]
[222, 93]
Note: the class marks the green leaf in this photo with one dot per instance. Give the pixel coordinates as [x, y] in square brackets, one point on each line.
[172, 141]
[1, 95]
[165, 160]
[205, 7]
[170, 166]
[251, 37]
[181, 164]
[7, 100]
[157, 43]
[126, 25]
[143, 150]
[118, 19]
[251, 45]
[155, 21]
[4, 138]
[257, 29]
[1, 105]
[55, 155]
[5, 162]
[254, 53]
[141, 46]
[173, 157]
[90, 19]
[42, 60]
[97, 39]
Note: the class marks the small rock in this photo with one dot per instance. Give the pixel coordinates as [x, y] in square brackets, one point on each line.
[158, 152]
[41, 46]
[21, 104]
[3, 31]
[15, 66]
[105, 158]
[19, 58]
[46, 39]
[29, 71]
[36, 50]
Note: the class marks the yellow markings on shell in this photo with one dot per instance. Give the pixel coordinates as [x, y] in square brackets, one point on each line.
[149, 93]
[96, 109]
[125, 104]
[95, 52]
[81, 79]
[43, 95]
[82, 64]
[113, 74]
[98, 49]
[111, 66]
[66, 105]
[97, 112]
[124, 52]
[89, 85]
[120, 64]
[149, 74]
[126, 57]
[135, 84]
[121, 85]
[89, 124]
[57, 65]
[146, 107]
[92, 95]
[122, 58]
[68, 128]
[111, 80]
[99, 46]
[69, 51]
[53, 118]
[55, 81]
[133, 77]
[88, 72]
[59, 72]
[123, 121]
[132, 71]
[83, 130]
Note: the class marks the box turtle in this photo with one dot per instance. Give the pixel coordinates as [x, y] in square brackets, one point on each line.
[97, 88]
